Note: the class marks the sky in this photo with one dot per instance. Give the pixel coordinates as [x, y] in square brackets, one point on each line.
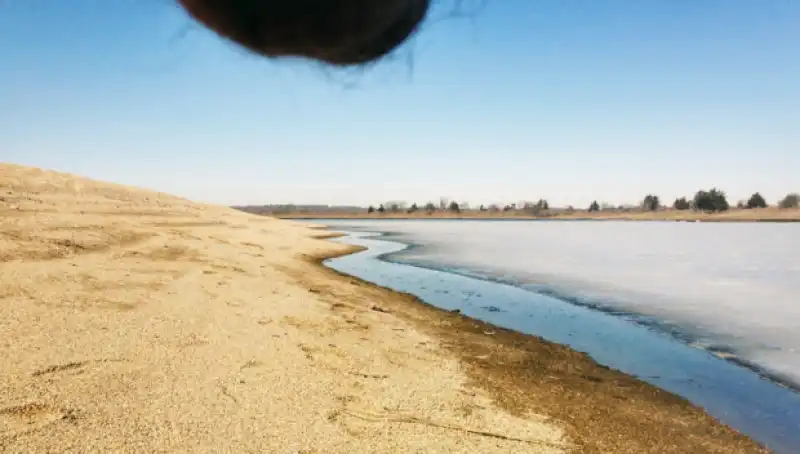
[568, 100]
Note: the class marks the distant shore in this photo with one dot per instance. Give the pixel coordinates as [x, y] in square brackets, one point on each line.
[733, 215]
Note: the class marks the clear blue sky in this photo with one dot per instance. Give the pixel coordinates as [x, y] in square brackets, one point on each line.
[570, 100]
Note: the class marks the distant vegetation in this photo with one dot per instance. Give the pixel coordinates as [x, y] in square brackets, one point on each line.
[790, 201]
[756, 201]
[278, 209]
[681, 204]
[651, 203]
[712, 200]
[454, 207]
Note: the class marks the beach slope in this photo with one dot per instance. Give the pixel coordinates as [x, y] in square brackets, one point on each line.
[135, 321]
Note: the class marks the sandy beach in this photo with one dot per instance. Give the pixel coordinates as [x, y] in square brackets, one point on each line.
[135, 321]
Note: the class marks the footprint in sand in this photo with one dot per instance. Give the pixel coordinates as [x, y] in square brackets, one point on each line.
[76, 366]
[253, 245]
[72, 368]
[20, 419]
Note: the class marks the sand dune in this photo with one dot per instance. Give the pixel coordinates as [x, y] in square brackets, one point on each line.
[134, 321]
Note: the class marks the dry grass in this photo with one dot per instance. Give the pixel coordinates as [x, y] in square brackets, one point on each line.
[733, 215]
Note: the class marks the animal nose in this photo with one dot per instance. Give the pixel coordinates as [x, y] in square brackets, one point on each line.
[338, 32]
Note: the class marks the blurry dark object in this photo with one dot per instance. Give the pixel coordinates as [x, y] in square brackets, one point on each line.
[338, 32]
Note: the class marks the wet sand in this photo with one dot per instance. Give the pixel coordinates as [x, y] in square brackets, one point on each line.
[136, 321]
[734, 395]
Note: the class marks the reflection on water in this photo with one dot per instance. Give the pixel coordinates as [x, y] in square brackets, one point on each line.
[736, 396]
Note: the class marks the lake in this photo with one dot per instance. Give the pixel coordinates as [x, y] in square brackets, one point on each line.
[705, 310]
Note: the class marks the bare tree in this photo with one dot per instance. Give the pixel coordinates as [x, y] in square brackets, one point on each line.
[396, 205]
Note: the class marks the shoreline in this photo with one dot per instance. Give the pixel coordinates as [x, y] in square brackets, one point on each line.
[722, 352]
[136, 320]
[525, 373]
[766, 215]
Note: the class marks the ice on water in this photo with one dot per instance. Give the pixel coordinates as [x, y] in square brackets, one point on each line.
[735, 285]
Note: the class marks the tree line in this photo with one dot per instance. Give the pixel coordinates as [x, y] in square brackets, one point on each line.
[456, 207]
[710, 201]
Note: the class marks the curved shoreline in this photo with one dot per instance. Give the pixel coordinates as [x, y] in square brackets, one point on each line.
[161, 325]
[602, 409]
[167, 325]
[724, 352]
[678, 333]
[758, 392]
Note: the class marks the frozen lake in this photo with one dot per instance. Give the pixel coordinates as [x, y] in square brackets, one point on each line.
[730, 288]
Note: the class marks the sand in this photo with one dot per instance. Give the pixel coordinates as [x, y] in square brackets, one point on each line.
[135, 321]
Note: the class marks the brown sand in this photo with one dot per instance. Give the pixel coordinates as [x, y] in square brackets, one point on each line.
[133, 321]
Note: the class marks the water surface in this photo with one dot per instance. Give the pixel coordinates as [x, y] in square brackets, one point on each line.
[732, 288]
[549, 300]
